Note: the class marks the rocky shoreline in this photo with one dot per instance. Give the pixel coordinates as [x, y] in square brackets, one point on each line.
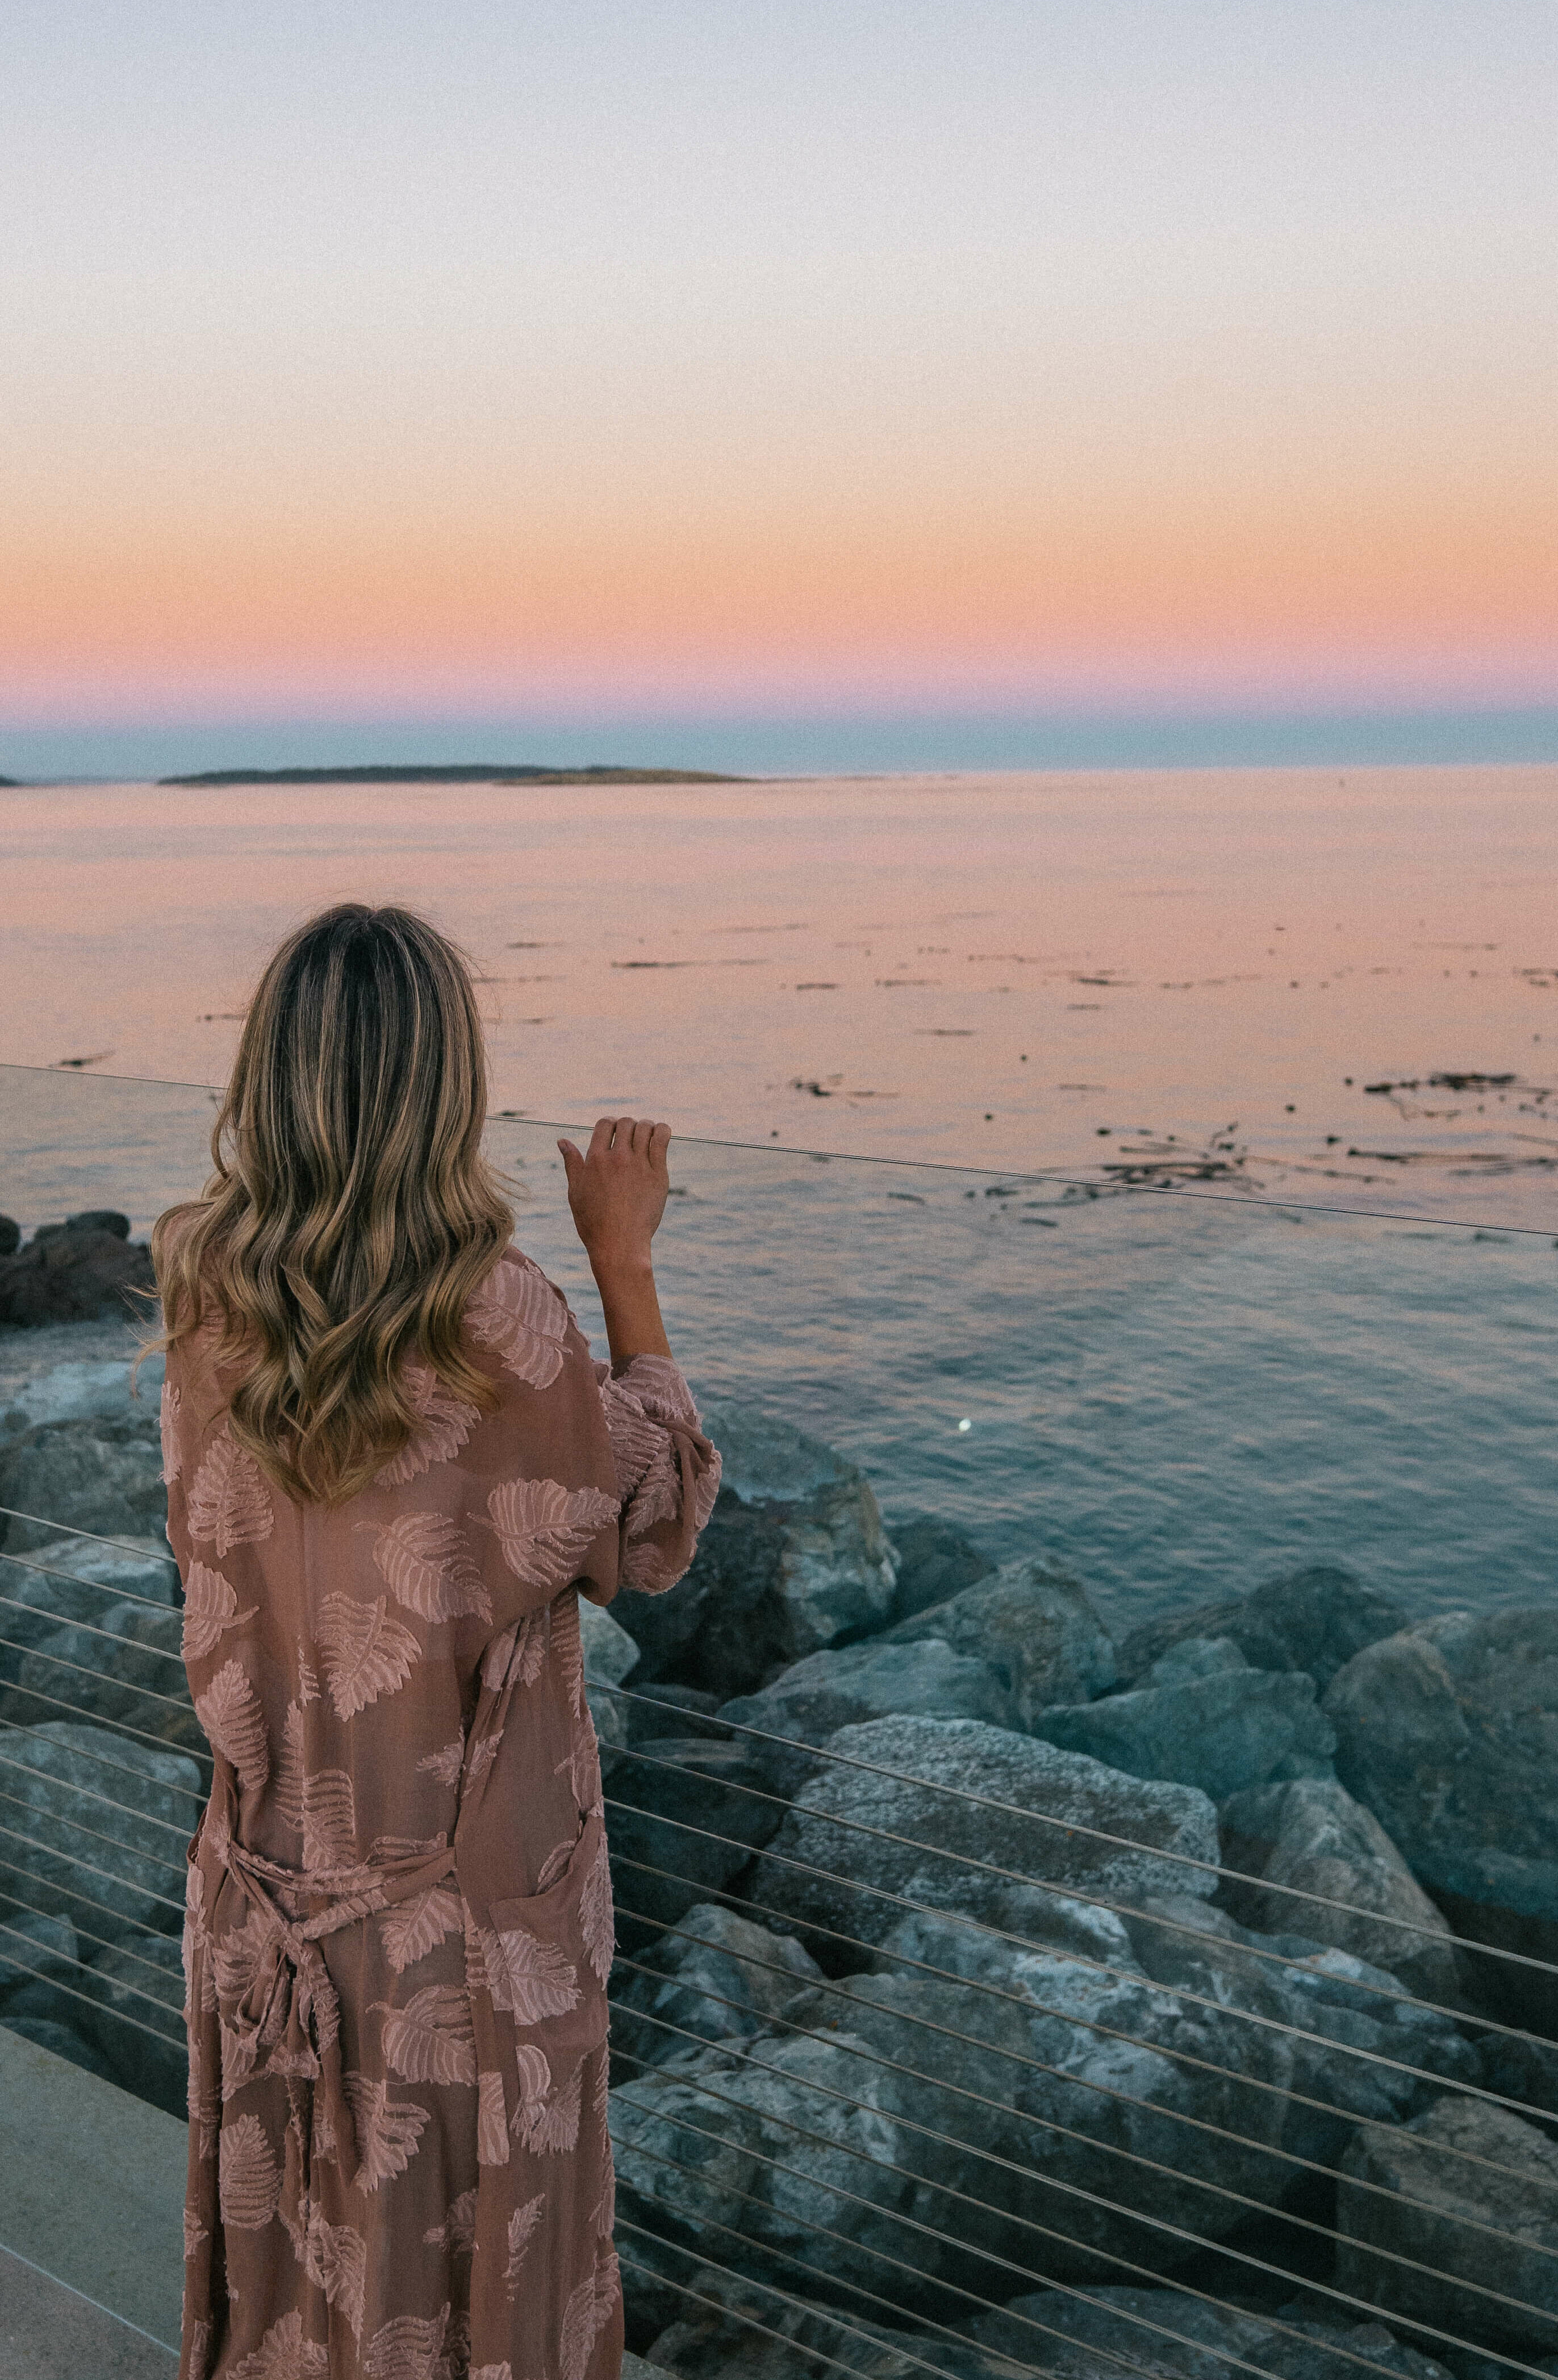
[1149, 2047]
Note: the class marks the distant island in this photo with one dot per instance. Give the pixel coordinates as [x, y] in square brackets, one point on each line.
[463, 772]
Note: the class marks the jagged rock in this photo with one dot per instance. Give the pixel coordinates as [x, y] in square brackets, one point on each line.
[1161, 2332]
[1359, 2051]
[682, 1828]
[92, 1474]
[1448, 1731]
[36, 1953]
[126, 1666]
[935, 1563]
[717, 1975]
[1033, 1625]
[708, 2343]
[812, 1699]
[1512, 2193]
[1059, 1818]
[89, 1796]
[665, 1709]
[793, 1558]
[1314, 1619]
[610, 1654]
[69, 1584]
[50, 2033]
[137, 2024]
[1312, 1837]
[70, 1272]
[1222, 1730]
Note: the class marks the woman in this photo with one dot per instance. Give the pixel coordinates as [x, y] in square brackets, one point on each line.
[392, 1469]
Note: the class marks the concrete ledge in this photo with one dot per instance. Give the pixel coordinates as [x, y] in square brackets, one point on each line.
[49, 2332]
[91, 2194]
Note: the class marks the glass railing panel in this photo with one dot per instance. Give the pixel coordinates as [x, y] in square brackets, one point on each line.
[1132, 1928]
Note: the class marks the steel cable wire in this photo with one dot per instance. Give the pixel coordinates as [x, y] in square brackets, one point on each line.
[146, 1816]
[90, 1628]
[750, 2321]
[115, 1842]
[85, 1933]
[1075, 1827]
[1077, 2081]
[152, 1999]
[89, 1869]
[104, 2007]
[58, 1661]
[1028, 2223]
[1075, 2191]
[1398, 1996]
[94, 1537]
[116, 1727]
[1256, 2206]
[120, 1594]
[1274, 2024]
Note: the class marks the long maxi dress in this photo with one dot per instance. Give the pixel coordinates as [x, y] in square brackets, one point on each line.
[399, 1920]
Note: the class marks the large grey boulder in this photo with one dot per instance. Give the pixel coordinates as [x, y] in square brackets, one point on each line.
[1220, 1727]
[1312, 1838]
[70, 1272]
[138, 2023]
[92, 1474]
[1448, 1731]
[610, 1656]
[1505, 2176]
[936, 1560]
[682, 1825]
[793, 1558]
[813, 1698]
[717, 1975]
[1032, 1623]
[1161, 2332]
[37, 1953]
[124, 1664]
[72, 1578]
[958, 1814]
[1315, 1619]
[1359, 2051]
[102, 1820]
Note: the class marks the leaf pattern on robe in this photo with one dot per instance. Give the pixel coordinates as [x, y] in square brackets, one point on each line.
[284, 2354]
[229, 1503]
[554, 1865]
[409, 2347]
[522, 2228]
[549, 2127]
[387, 2131]
[544, 1528]
[194, 2232]
[520, 1317]
[168, 1426]
[606, 2213]
[229, 1711]
[428, 1566]
[492, 2124]
[329, 1820]
[458, 2233]
[287, 1789]
[444, 1765]
[658, 1496]
[307, 1683]
[337, 2263]
[595, 1913]
[430, 2040]
[567, 1647]
[534, 1980]
[416, 1926]
[366, 1653]
[534, 2070]
[483, 1753]
[646, 1567]
[518, 1655]
[444, 1421]
[504, 2371]
[199, 2350]
[249, 2180]
[209, 1609]
[589, 2310]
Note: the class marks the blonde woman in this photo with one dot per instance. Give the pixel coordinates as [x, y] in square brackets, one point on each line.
[392, 1469]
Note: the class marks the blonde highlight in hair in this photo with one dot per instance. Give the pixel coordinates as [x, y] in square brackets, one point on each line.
[351, 1213]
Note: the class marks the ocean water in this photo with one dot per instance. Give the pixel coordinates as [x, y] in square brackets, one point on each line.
[1163, 1329]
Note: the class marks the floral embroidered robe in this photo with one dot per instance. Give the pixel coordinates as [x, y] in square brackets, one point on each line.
[399, 1922]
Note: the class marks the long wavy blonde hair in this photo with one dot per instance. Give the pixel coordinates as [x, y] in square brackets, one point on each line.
[351, 1213]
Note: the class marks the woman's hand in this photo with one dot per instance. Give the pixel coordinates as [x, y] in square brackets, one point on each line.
[616, 1191]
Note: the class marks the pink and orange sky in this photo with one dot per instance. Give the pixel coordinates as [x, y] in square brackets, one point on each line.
[509, 371]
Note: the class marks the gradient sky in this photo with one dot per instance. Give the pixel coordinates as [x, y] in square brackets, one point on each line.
[467, 361]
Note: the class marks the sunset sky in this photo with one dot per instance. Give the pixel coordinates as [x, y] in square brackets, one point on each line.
[624, 371]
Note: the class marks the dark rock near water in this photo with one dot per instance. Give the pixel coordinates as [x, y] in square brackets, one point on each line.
[108, 1819]
[10, 1235]
[126, 1666]
[92, 1474]
[936, 1560]
[1225, 1729]
[36, 1953]
[1511, 2191]
[138, 2023]
[682, 1828]
[1311, 1837]
[70, 1272]
[793, 1558]
[1033, 1625]
[1167, 2336]
[1448, 1731]
[1314, 1619]
[718, 1975]
[811, 1700]
[1041, 1816]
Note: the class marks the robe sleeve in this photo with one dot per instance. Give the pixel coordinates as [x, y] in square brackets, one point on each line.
[668, 1473]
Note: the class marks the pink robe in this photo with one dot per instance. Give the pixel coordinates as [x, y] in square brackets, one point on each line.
[399, 1922]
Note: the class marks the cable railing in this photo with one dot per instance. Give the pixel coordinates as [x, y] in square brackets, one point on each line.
[900, 2184]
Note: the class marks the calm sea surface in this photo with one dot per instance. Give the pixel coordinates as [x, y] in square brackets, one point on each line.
[1183, 983]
